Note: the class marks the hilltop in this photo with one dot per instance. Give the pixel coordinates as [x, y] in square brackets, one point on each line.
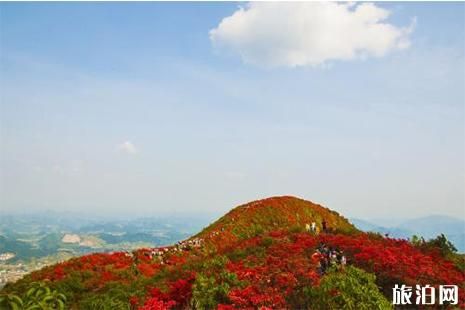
[265, 215]
[260, 255]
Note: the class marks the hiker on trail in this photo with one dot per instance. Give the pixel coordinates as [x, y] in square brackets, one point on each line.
[323, 263]
[328, 256]
[343, 261]
[313, 227]
[319, 268]
[323, 224]
[333, 258]
[307, 227]
[338, 256]
[316, 257]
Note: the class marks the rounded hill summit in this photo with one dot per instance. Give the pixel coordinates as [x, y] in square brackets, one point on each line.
[273, 213]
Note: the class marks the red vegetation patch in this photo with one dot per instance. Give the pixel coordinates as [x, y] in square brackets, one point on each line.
[397, 261]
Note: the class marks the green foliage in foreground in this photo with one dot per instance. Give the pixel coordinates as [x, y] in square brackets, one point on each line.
[349, 288]
[38, 297]
[113, 300]
[212, 288]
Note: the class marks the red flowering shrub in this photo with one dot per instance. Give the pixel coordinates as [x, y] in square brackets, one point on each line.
[58, 273]
[155, 304]
[147, 269]
[181, 290]
[397, 261]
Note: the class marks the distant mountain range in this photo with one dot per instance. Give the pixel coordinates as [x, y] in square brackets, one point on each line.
[33, 236]
[428, 227]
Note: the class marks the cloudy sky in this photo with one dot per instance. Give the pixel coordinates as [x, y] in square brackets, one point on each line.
[149, 108]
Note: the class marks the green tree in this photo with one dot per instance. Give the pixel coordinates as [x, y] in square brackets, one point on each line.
[445, 246]
[417, 241]
[349, 288]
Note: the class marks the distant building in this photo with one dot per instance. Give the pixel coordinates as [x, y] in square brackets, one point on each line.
[71, 238]
[6, 256]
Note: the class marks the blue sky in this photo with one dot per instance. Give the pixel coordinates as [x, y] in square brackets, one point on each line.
[136, 108]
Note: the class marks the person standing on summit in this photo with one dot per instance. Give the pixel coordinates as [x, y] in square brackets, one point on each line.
[323, 224]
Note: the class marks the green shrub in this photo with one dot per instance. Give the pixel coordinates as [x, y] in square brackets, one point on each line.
[350, 288]
[104, 302]
[266, 242]
[296, 229]
[38, 296]
[208, 292]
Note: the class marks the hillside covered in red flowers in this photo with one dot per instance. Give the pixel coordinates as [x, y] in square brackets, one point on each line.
[262, 255]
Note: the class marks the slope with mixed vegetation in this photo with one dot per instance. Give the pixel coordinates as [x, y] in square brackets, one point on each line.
[260, 255]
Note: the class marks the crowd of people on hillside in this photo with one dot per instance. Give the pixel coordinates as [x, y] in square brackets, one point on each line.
[161, 252]
[315, 229]
[326, 257]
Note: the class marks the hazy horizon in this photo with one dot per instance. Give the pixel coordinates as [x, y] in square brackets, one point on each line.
[210, 215]
[146, 108]
[204, 215]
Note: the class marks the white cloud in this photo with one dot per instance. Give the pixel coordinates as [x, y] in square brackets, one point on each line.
[127, 147]
[295, 34]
